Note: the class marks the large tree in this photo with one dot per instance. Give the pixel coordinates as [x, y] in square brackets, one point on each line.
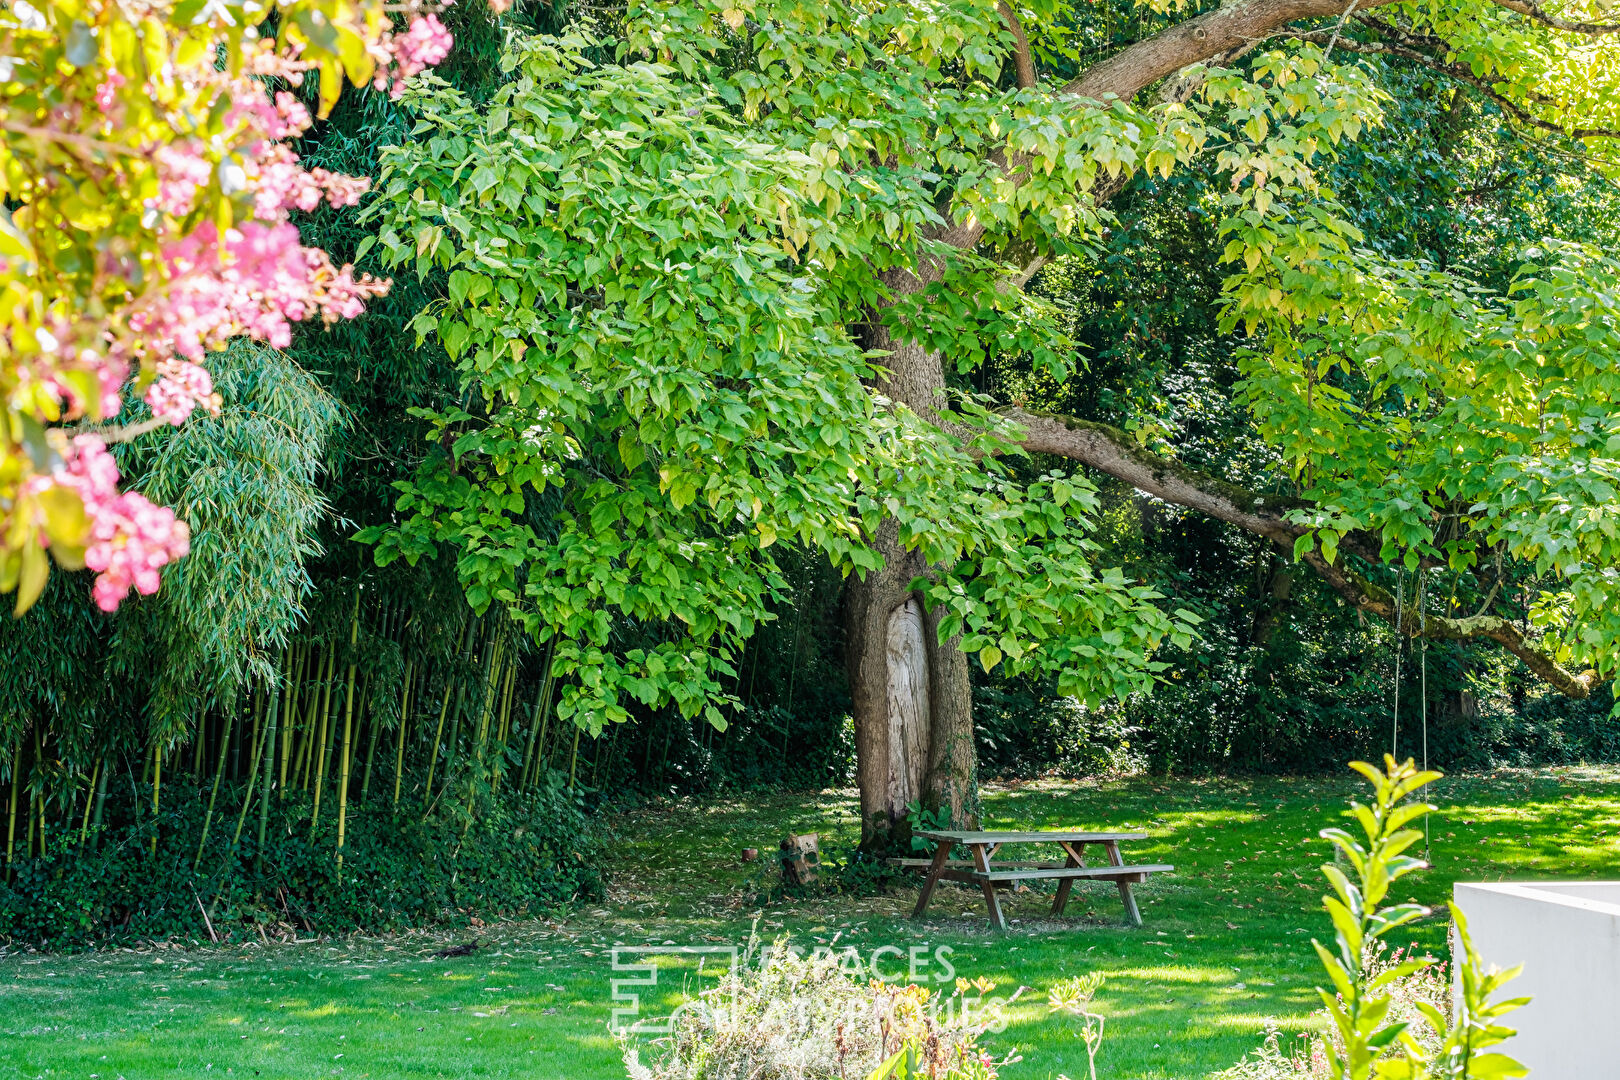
[712, 270]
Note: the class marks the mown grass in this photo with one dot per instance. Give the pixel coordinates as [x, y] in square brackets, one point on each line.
[1225, 946]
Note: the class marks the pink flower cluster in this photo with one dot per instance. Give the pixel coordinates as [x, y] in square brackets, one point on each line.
[182, 172]
[424, 43]
[181, 387]
[257, 282]
[60, 359]
[279, 184]
[107, 90]
[130, 537]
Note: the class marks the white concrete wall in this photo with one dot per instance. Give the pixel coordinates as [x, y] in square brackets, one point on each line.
[1567, 936]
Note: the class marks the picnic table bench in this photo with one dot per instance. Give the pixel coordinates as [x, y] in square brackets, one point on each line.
[980, 869]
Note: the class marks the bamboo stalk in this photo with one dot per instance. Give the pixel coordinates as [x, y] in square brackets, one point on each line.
[438, 735]
[157, 786]
[506, 699]
[306, 690]
[269, 772]
[329, 753]
[291, 707]
[258, 718]
[255, 753]
[404, 712]
[454, 743]
[348, 728]
[505, 725]
[371, 748]
[491, 681]
[72, 807]
[11, 815]
[542, 716]
[236, 758]
[433, 759]
[320, 742]
[89, 799]
[573, 759]
[101, 802]
[306, 753]
[219, 773]
[468, 642]
[39, 792]
[491, 684]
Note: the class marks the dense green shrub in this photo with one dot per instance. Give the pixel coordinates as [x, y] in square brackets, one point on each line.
[529, 853]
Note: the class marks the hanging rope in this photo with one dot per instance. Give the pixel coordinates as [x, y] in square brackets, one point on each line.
[1395, 722]
[1423, 693]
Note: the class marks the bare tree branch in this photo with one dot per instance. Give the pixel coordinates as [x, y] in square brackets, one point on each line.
[1538, 13]
[1461, 73]
[1371, 598]
[1223, 31]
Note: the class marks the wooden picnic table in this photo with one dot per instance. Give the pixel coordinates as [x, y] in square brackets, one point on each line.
[980, 869]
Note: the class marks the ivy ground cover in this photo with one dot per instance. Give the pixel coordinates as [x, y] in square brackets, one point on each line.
[1224, 948]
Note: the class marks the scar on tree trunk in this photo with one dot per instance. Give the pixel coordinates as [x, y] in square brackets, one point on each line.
[912, 704]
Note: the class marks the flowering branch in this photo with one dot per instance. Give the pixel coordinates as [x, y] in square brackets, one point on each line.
[150, 227]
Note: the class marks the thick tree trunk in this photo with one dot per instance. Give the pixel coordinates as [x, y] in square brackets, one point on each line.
[912, 703]
[912, 697]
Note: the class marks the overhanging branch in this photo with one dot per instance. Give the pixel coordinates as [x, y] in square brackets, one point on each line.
[1368, 597]
[1111, 451]
[1023, 62]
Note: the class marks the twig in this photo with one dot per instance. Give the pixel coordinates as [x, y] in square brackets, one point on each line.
[209, 923]
[1533, 10]
[72, 138]
[1334, 40]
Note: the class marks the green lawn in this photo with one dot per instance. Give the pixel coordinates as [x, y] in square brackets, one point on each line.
[1224, 948]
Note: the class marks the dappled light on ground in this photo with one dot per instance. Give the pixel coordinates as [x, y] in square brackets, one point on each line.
[1224, 949]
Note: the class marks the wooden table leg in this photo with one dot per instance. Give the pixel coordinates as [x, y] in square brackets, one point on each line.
[1074, 859]
[981, 863]
[1132, 915]
[941, 853]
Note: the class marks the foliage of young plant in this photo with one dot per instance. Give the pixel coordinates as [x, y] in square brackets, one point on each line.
[1073, 996]
[1366, 1039]
[1305, 1056]
[148, 186]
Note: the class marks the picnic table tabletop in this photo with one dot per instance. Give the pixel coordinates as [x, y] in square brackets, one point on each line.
[982, 844]
[1037, 836]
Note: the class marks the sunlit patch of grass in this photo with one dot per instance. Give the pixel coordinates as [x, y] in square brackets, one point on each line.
[1246, 890]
